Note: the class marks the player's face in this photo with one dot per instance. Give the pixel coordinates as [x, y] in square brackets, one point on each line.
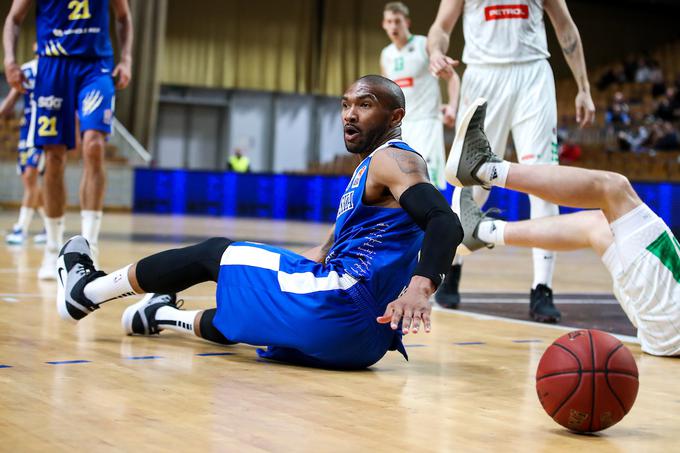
[395, 25]
[365, 119]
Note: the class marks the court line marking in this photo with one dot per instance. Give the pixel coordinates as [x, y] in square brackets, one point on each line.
[5, 366]
[415, 345]
[528, 341]
[483, 317]
[67, 362]
[144, 357]
[211, 354]
[469, 343]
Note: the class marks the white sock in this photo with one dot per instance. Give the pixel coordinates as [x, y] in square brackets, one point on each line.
[457, 260]
[112, 286]
[54, 229]
[492, 232]
[172, 318]
[544, 267]
[494, 173]
[90, 223]
[25, 217]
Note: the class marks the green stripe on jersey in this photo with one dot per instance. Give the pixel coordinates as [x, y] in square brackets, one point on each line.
[664, 248]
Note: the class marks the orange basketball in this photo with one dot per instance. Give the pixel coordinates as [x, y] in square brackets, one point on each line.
[587, 380]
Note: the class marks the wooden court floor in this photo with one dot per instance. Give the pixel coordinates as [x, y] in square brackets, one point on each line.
[469, 385]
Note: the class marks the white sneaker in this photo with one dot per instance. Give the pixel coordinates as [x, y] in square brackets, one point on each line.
[40, 238]
[16, 237]
[48, 268]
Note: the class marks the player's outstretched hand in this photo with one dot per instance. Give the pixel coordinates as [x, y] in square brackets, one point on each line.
[442, 65]
[15, 76]
[122, 74]
[411, 308]
[585, 109]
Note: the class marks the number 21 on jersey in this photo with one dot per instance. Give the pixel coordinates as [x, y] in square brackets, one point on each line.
[80, 9]
[47, 127]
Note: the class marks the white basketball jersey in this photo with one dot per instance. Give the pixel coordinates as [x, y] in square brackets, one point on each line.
[408, 67]
[497, 31]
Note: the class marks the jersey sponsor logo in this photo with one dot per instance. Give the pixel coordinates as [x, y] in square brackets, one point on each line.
[497, 12]
[92, 101]
[50, 102]
[346, 203]
[405, 82]
[357, 178]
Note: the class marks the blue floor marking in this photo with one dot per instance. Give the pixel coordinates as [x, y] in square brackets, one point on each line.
[5, 366]
[415, 345]
[528, 341]
[144, 357]
[67, 362]
[210, 354]
[469, 343]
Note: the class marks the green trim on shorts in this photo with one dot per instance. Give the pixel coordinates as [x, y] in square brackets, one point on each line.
[666, 247]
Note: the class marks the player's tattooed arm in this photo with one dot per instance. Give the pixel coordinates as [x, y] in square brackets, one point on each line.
[320, 252]
[570, 41]
[397, 170]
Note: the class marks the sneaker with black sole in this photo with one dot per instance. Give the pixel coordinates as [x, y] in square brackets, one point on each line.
[447, 295]
[541, 306]
[140, 318]
[74, 271]
[463, 204]
[470, 149]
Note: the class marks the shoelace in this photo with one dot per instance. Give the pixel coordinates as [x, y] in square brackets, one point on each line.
[165, 298]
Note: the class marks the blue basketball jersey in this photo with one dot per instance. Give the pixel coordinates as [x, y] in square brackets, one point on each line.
[30, 69]
[77, 28]
[376, 244]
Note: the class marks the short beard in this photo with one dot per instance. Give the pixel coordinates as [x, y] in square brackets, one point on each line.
[369, 144]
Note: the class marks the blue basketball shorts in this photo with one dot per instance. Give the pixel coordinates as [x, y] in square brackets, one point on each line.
[66, 86]
[305, 312]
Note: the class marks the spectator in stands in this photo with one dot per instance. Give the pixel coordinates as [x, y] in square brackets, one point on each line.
[634, 140]
[238, 162]
[668, 108]
[616, 115]
[665, 136]
[630, 67]
[656, 78]
[612, 76]
[643, 71]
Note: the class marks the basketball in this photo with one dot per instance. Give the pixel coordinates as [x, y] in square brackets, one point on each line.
[587, 380]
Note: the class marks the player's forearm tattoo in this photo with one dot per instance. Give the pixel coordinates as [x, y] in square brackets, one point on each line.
[408, 162]
[570, 42]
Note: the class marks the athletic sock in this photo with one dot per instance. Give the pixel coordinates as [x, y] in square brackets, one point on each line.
[25, 217]
[544, 267]
[494, 173]
[109, 287]
[172, 318]
[492, 232]
[90, 223]
[54, 229]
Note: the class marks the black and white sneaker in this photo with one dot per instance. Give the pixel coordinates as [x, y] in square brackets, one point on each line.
[74, 271]
[140, 318]
[470, 148]
[541, 306]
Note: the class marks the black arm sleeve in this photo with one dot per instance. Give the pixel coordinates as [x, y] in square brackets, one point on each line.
[443, 231]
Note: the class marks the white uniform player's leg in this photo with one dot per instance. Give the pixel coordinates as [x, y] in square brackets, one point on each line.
[645, 265]
[534, 132]
[427, 137]
[493, 83]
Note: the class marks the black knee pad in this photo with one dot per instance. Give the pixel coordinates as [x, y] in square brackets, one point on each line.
[209, 331]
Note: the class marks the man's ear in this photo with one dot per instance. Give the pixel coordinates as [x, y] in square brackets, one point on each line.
[397, 117]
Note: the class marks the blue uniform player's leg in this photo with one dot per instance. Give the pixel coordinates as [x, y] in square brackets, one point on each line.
[55, 99]
[96, 98]
[304, 312]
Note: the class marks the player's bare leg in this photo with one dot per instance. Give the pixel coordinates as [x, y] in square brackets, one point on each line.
[55, 204]
[29, 203]
[92, 187]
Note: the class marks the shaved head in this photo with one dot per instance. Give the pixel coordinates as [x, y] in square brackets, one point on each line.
[388, 93]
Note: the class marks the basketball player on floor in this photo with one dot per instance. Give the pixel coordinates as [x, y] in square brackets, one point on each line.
[340, 305]
[406, 62]
[30, 161]
[506, 56]
[75, 76]
[636, 246]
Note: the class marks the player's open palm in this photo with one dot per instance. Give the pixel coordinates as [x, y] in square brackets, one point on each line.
[585, 109]
[412, 308]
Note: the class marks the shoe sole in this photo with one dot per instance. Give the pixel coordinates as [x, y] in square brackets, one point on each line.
[455, 206]
[544, 319]
[456, 153]
[129, 314]
[61, 294]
